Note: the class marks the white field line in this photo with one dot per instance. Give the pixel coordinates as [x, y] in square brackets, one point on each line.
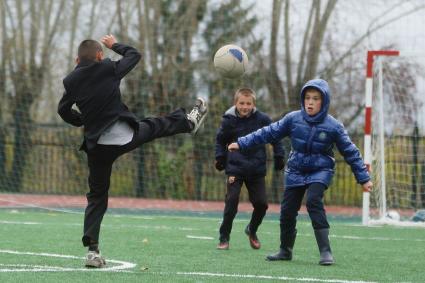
[20, 222]
[199, 237]
[163, 227]
[29, 205]
[121, 265]
[267, 277]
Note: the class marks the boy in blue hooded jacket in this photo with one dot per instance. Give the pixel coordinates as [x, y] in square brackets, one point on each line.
[248, 167]
[310, 165]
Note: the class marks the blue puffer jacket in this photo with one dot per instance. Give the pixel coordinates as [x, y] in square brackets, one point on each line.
[252, 162]
[311, 159]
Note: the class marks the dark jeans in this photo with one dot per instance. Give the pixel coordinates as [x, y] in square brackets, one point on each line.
[291, 204]
[257, 196]
[101, 158]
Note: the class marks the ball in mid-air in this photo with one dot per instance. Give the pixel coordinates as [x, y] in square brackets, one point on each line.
[231, 61]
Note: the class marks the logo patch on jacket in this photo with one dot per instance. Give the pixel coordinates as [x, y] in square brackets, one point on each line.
[322, 136]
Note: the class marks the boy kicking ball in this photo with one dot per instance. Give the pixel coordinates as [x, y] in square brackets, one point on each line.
[110, 129]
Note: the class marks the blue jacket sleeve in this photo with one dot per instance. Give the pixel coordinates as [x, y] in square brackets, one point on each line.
[129, 60]
[278, 150]
[269, 134]
[351, 155]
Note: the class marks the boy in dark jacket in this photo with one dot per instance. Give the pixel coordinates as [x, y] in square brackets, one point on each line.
[311, 164]
[248, 167]
[110, 129]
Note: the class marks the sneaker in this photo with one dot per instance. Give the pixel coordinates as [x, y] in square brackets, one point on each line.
[95, 260]
[198, 114]
[253, 239]
[223, 245]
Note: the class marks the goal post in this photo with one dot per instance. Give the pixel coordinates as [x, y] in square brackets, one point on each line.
[393, 149]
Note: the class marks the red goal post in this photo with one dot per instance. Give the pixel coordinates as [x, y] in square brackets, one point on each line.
[368, 121]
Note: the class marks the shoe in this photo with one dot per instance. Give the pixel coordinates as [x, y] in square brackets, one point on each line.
[253, 239]
[223, 246]
[282, 254]
[287, 241]
[198, 114]
[95, 260]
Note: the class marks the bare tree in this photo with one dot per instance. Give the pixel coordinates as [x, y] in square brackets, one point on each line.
[312, 51]
[28, 60]
[3, 63]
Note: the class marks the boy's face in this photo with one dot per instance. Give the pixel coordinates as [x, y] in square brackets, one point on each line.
[245, 105]
[312, 101]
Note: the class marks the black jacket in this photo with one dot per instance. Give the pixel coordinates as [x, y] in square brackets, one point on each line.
[251, 162]
[94, 88]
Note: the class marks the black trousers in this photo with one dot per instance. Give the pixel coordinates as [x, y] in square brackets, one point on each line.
[291, 204]
[257, 197]
[101, 158]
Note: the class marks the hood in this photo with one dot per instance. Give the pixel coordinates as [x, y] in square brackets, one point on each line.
[323, 87]
[232, 111]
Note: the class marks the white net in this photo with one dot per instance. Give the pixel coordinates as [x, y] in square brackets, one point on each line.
[398, 142]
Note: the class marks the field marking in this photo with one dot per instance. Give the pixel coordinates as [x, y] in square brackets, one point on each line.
[268, 277]
[376, 238]
[199, 237]
[165, 227]
[120, 267]
[20, 222]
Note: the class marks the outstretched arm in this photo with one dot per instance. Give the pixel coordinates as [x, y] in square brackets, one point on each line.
[130, 55]
[352, 156]
[269, 134]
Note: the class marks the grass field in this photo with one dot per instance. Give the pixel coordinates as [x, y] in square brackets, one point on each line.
[149, 246]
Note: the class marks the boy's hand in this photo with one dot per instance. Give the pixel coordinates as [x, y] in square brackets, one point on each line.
[367, 187]
[108, 40]
[220, 163]
[233, 146]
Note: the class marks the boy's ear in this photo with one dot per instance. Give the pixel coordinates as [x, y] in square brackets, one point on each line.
[77, 60]
[99, 55]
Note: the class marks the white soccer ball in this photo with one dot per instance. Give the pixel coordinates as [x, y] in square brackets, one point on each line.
[393, 215]
[231, 61]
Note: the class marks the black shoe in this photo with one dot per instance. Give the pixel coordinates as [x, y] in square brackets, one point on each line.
[287, 241]
[282, 254]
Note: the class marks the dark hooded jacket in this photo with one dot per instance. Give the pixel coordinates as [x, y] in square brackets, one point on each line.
[311, 159]
[252, 162]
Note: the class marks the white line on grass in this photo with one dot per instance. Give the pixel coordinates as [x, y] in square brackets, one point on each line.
[20, 222]
[199, 237]
[120, 267]
[267, 277]
[376, 238]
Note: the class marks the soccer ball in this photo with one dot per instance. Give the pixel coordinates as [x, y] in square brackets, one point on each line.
[231, 61]
[393, 215]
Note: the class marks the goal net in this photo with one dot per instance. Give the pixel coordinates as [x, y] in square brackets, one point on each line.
[394, 138]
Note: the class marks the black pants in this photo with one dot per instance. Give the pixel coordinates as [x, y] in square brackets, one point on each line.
[101, 158]
[291, 204]
[257, 196]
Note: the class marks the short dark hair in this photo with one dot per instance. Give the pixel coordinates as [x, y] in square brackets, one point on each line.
[244, 91]
[88, 49]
